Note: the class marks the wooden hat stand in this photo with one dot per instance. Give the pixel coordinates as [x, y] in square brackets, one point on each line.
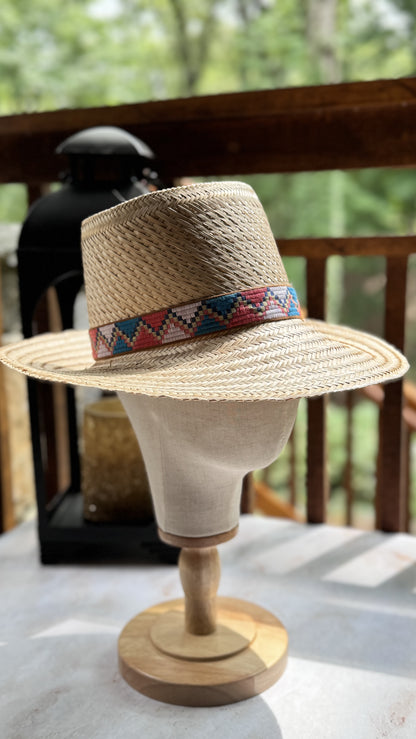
[202, 650]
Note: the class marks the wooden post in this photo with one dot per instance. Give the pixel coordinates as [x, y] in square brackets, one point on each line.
[348, 483]
[292, 468]
[317, 473]
[409, 415]
[7, 519]
[391, 494]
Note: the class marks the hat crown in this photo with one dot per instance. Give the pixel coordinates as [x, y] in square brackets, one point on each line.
[174, 246]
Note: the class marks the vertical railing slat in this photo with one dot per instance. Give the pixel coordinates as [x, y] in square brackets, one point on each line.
[391, 493]
[293, 491]
[317, 472]
[348, 472]
[7, 515]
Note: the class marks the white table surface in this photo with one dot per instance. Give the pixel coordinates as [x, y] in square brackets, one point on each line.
[347, 598]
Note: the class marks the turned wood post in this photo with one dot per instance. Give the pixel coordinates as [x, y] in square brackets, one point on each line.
[199, 570]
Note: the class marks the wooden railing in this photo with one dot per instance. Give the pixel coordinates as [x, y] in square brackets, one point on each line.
[357, 125]
[362, 124]
[391, 499]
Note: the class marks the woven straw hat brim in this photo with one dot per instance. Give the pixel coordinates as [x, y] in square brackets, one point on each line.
[269, 361]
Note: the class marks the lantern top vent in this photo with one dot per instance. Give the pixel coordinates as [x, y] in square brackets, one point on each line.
[104, 141]
[105, 155]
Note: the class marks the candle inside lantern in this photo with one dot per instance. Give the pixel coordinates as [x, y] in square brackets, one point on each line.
[114, 481]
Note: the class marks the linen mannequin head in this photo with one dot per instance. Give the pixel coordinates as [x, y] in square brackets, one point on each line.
[197, 453]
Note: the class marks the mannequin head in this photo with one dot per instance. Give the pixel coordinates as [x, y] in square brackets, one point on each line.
[197, 452]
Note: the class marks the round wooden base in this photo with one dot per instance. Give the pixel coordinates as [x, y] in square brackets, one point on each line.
[246, 654]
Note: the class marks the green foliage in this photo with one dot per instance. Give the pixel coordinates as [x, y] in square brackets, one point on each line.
[104, 52]
[12, 203]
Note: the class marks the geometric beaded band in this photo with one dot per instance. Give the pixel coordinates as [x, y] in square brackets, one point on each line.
[195, 319]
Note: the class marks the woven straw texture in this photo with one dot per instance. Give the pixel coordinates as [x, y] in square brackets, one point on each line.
[175, 246]
[184, 244]
[288, 359]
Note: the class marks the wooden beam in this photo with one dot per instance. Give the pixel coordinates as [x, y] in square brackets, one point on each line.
[349, 125]
[365, 246]
[268, 501]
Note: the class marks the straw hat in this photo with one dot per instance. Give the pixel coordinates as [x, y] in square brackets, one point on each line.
[188, 298]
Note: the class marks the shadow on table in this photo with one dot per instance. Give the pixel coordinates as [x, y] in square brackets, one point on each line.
[342, 630]
[346, 597]
[249, 719]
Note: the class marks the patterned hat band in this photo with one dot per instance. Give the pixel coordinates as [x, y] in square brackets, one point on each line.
[208, 316]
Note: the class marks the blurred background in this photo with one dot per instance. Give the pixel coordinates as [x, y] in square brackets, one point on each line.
[108, 52]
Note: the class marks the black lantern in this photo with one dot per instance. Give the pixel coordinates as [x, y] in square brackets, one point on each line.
[106, 166]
